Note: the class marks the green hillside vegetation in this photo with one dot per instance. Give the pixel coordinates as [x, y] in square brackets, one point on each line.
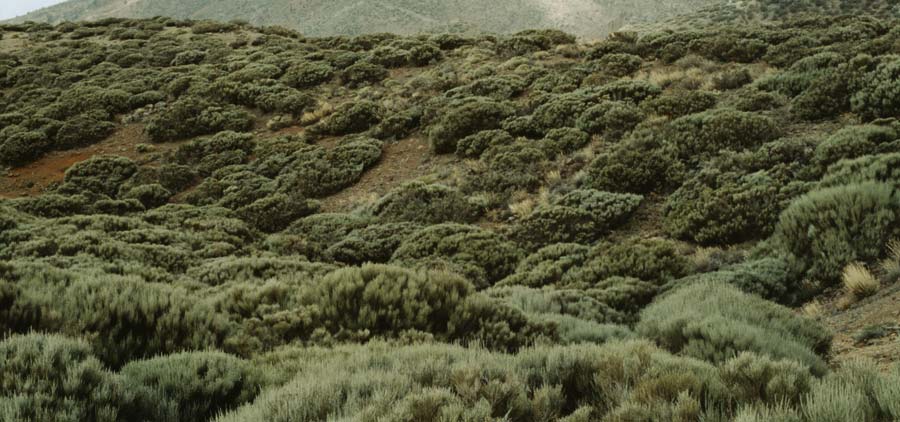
[443, 227]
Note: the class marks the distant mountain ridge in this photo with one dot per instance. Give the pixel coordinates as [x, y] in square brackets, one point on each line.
[585, 18]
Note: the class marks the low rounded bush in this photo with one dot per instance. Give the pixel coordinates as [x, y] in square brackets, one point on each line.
[714, 321]
[879, 92]
[635, 91]
[755, 100]
[464, 118]
[150, 196]
[642, 163]
[209, 154]
[830, 228]
[546, 266]
[564, 140]
[855, 141]
[427, 204]
[277, 211]
[485, 256]
[724, 207]
[22, 147]
[363, 73]
[681, 103]
[732, 79]
[706, 133]
[654, 260]
[374, 243]
[560, 111]
[191, 116]
[884, 168]
[192, 386]
[351, 117]
[100, 174]
[499, 87]
[610, 119]
[608, 209]
[555, 224]
[54, 378]
[307, 74]
[509, 168]
[82, 130]
[617, 64]
[473, 146]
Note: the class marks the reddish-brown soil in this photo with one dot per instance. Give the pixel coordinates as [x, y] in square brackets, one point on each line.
[34, 178]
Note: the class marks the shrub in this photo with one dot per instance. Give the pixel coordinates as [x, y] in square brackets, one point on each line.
[547, 265]
[509, 168]
[555, 224]
[565, 140]
[473, 146]
[641, 163]
[701, 134]
[856, 141]
[375, 243]
[150, 196]
[732, 79]
[427, 204]
[82, 130]
[611, 119]
[100, 175]
[54, 378]
[191, 116]
[464, 118]
[194, 386]
[883, 168]
[635, 91]
[209, 154]
[52, 205]
[499, 87]
[714, 321]
[607, 209]
[388, 300]
[307, 74]
[879, 91]
[363, 73]
[351, 117]
[681, 103]
[560, 111]
[654, 260]
[617, 64]
[720, 208]
[485, 257]
[277, 211]
[22, 147]
[830, 228]
[316, 172]
[773, 278]
[755, 100]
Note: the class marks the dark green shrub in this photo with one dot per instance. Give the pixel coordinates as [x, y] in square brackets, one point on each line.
[641, 163]
[732, 79]
[209, 154]
[560, 111]
[714, 321]
[363, 73]
[879, 91]
[681, 103]
[188, 57]
[81, 130]
[509, 168]
[547, 265]
[884, 168]
[565, 140]
[610, 119]
[22, 147]
[54, 378]
[724, 207]
[375, 243]
[307, 74]
[323, 230]
[497, 326]
[427, 204]
[654, 260]
[194, 386]
[500, 87]
[486, 257]
[150, 196]
[617, 64]
[100, 174]
[399, 125]
[177, 177]
[351, 117]
[388, 300]
[533, 40]
[555, 224]
[833, 227]
[754, 100]
[52, 205]
[316, 172]
[192, 116]
[466, 117]
[473, 146]
[832, 93]
[775, 279]
[608, 209]
[729, 48]
[701, 134]
[856, 141]
[277, 211]
[635, 91]
[242, 271]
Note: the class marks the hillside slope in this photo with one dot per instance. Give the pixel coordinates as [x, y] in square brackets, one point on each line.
[587, 18]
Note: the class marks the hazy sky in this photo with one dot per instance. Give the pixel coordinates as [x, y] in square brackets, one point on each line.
[13, 8]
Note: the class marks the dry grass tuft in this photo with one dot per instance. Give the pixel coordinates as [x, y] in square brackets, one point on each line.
[859, 281]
